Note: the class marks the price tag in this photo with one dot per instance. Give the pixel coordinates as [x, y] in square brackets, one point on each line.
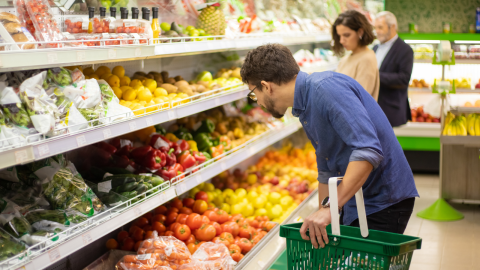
[223, 166]
[183, 187]
[162, 197]
[43, 150]
[138, 52]
[112, 53]
[21, 156]
[199, 179]
[261, 263]
[149, 121]
[105, 36]
[137, 211]
[107, 133]
[251, 150]
[171, 114]
[144, 256]
[133, 126]
[81, 140]
[85, 23]
[54, 254]
[81, 56]
[52, 58]
[87, 238]
[298, 219]
[217, 102]
[105, 186]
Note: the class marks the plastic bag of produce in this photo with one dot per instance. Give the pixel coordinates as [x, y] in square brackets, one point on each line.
[87, 97]
[48, 220]
[13, 222]
[213, 256]
[10, 245]
[8, 134]
[15, 111]
[135, 262]
[26, 200]
[169, 250]
[114, 111]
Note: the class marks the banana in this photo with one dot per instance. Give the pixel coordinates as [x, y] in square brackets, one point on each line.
[449, 118]
[461, 129]
[477, 126]
[463, 120]
[451, 129]
[471, 124]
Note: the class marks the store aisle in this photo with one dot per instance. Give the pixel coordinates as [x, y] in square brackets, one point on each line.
[446, 245]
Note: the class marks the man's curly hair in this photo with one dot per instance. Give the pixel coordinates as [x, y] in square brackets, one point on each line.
[271, 63]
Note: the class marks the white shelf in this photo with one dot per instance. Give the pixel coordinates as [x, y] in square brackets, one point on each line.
[60, 144]
[469, 141]
[416, 129]
[429, 90]
[43, 58]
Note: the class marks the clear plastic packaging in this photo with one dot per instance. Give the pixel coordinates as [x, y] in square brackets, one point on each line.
[212, 256]
[10, 245]
[169, 250]
[23, 16]
[474, 48]
[16, 30]
[46, 28]
[76, 25]
[14, 110]
[101, 24]
[125, 25]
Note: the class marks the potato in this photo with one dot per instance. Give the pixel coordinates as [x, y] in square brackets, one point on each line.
[205, 84]
[154, 73]
[150, 76]
[181, 83]
[170, 88]
[164, 75]
[138, 77]
[158, 79]
[185, 89]
[140, 73]
[178, 78]
[170, 80]
[201, 88]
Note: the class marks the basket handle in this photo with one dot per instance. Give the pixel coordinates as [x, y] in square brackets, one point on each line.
[362, 216]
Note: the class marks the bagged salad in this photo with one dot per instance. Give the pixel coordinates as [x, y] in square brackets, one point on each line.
[10, 245]
[87, 97]
[113, 110]
[15, 111]
[8, 134]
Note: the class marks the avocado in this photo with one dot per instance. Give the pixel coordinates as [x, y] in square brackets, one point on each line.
[176, 28]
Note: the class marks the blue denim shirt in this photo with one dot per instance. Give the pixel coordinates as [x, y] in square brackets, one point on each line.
[344, 123]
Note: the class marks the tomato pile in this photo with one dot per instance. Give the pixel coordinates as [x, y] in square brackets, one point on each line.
[195, 222]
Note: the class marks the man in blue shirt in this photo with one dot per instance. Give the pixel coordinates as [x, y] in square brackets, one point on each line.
[351, 135]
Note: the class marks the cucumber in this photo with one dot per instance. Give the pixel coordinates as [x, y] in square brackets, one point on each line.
[129, 195]
[141, 188]
[128, 187]
[119, 180]
[155, 181]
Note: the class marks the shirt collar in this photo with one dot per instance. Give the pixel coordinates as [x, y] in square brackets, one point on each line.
[390, 42]
[300, 95]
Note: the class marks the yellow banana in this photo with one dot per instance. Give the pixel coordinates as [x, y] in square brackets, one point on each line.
[471, 124]
[445, 129]
[451, 131]
[449, 118]
[463, 120]
[461, 129]
[477, 126]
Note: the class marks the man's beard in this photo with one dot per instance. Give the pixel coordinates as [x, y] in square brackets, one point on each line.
[384, 38]
[270, 108]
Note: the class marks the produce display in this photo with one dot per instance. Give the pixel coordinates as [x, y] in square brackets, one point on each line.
[461, 125]
[419, 115]
[475, 104]
[419, 83]
[423, 51]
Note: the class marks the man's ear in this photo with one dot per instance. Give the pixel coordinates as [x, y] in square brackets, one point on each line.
[266, 87]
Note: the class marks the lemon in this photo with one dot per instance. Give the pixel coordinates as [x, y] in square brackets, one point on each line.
[241, 193]
[157, 100]
[119, 71]
[231, 199]
[144, 95]
[211, 196]
[160, 92]
[218, 201]
[248, 210]
[150, 84]
[143, 102]
[237, 208]
[88, 71]
[284, 192]
[102, 70]
[172, 95]
[218, 191]
[226, 207]
[114, 81]
[125, 80]
[268, 205]
[117, 91]
[138, 109]
[252, 195]
[209, 187]
[135, 83]
[274, 197]
[106, 76]
[151, 106]
[201, 186]
[252, 179]
[127, 103]
[275, 211]
[286, 202]
[182, 95]
[259, 202]
[129, 95]
[227, 192]
[261, 212]
[94, 76]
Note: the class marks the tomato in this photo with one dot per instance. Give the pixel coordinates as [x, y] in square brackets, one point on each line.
[169, 233]
[237, 217]
[188, 202]
[230, 227]
[269, 225]
[173, 209]
[148, 235]
[205, 219]
[194, 221]
[182, 218]
[222, 216]
[212, 215]
[182, 232]
[254, 223]
[159, 218]
[200, 206]
[192, 247]
[148, 215]
[140, 222]
[245, 232]
[254, 232]
[137, 245]
[237, 256]
[162, 210]
[245, 245]
[211, 206]
[242, 222]
[256, 239]
[220, 240]
[205, 233]
[112, 244]
[234, 248]
[227, 236]
[171, 218]
[177, 203]
[159, 227]
[132, 229]
[217, 227]
[261, 226]
[201, 195]
[191, 239]
[138, 234]
[128, 244]
[122, 235]
[147, 228]
[186, 210]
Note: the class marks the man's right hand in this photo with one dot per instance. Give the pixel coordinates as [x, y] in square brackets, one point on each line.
[316, 224]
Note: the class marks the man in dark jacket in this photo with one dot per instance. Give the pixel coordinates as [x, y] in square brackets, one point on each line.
[395, 63]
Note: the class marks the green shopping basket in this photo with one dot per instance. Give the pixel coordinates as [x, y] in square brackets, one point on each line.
[349, 250]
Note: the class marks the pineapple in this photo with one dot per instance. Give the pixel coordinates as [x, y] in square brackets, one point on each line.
[212, 20]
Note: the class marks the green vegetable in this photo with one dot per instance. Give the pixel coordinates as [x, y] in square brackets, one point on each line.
[130, 194]
[10, 246]
[115, 171]
[92, 114]
[18, 227]
[160, 130]
[141, 188]
[203, 142]
[156, 181]
[119, 180]
[207, 155]
[59, 76]
[107, 93]
[207, 127]
[127, 187]
[17, 114]
[183, 134]
[57, 216]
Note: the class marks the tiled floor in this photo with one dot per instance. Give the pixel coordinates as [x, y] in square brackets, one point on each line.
[445, 245]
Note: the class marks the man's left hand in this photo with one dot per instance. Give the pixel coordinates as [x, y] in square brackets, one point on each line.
[316, 224]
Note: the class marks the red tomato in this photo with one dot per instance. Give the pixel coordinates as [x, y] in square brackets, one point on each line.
[122, 235]
[148, 235]
[192, 247]
[228, 236]
[182, 232]
[177, 203]
[230, 227]
[245, 245]
[132, 229]
[169, 233]
[194, 221]
[205, 233]
[160, 218]
[256, 239]
[186, 210]
[148, 215]
[217, 227]
[220, 240]
[200, 206]
[162, 210]
[212, 215]
[201, 195]
[205, 219]
[173, 209]
[138, 234]
[128, 244]
[182, 218]
[137, 245]
[245, 232]
[269, 225]
[237, 218]
[237, 257]
[174, 226]
[141, 221]
[191, 239]
[171, 218]
[222, 216]
[188, 202]
[233, 248]
[147, 228]
[253, 223]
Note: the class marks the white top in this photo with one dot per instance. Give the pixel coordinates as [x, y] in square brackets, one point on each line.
[383, 49]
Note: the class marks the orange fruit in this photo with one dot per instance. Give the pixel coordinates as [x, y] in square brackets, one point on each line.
[112, 244]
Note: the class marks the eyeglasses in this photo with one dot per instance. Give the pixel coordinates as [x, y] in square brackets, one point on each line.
[251, 95]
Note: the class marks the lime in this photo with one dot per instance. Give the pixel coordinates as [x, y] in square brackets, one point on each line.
[165, 26]
[189, 28]
[201, 32]
[193, 33]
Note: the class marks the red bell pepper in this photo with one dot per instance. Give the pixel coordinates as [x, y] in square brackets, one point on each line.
[178, 168]
[107, 147]
[101, 157]
[160, 142]
[166, 173]
[140, 152]
[153, 160]
[184, 146]
[124, 151]
[115, 142]
[171, 158]
[176, 149]
[199, 157]
[187, 160]
[120, 161]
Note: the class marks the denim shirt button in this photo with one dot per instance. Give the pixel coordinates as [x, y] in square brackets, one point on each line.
[316, 142]
[338, 173]
[305, 122]
[326, 158]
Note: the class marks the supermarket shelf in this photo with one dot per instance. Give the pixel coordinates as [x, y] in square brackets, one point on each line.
[42, 58]
[440, 36]
[238, 155]
[95, 230]
[270, 248]
[411, 129]
[458, 110]
[457, 61]
[461, 140]
[68, 142]
[429, 90]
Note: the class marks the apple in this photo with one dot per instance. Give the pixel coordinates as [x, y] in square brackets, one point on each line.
[420, 110]
[420, 119]
[425, 115]
[428, 120]
[413, 112]
[274, 181]
[477, 85]
[436, 120]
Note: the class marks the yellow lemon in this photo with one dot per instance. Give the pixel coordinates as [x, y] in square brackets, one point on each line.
[160, 92]
[227, 192]
[286, 202]
[150, 84]
[209, 187]
[106, 76]
[172, 95]
[125, 88]
[261, 212]
[241, 193]
[252, 195]
[138, 109]
[114, 81]
[94, 76]
[88, 71]
[117, 91]
[274, 197]
[236, 208]
[135, 83]
[143, 102]
[144, 95]
[102, 70]
[157, 100]
[248, 210]
[226, 208]
[129, 95]
[231, 199]
[140, 88]
[125, 80]
[252, 179]
[182, 95]
[119, 71]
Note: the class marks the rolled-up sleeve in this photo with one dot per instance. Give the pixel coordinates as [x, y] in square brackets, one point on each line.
[324, 176]
[367, 154]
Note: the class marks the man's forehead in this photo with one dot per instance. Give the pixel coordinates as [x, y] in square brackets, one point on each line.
[381, 20]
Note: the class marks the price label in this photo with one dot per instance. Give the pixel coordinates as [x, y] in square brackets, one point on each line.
[217, 102]
[138, 52]
[112, 53]
[105, 36]
[107, 133]
[87, 238]
[261, 263]
[182, 187]
[223, 166]
[162, 197]
[137, 211]
[171, 114]
[298, 219]
[149, 121]
[133, 126]
[81, 140]
[81, 56]
[105, 186]
[43, 150]
[54, 254]
[21, 156]
[251, 150]
[199, 179]
[52, 58]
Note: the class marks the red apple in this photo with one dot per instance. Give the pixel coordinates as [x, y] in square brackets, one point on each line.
[274, 181]
[436, 120]
[414, 113]
[420, 119]
[425, 115]
[428, 120]
[420, 110]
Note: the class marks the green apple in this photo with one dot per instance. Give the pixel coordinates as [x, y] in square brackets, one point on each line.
[165, 26]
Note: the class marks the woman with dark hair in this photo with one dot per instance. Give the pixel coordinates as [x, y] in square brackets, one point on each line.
[352, 32]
